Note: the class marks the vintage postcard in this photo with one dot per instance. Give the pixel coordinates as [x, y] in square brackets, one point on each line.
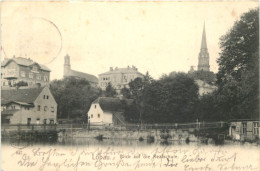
[130, 85]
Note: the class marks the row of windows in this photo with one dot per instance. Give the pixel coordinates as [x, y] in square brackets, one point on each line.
[125, 77]
[38, 76]
[51, 121]
[244, 128]
[45, 108]
[45, 97]
[93, 116]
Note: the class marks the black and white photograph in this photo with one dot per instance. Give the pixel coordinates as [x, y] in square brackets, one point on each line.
[130, 85]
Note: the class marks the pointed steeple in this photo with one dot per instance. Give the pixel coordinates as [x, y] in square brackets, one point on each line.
[204, 41]
[204, 54]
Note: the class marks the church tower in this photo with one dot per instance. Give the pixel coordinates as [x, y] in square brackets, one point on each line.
[66, 65]
[204, 54]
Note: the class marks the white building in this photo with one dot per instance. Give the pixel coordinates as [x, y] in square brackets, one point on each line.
[118, 77]
[107, 111]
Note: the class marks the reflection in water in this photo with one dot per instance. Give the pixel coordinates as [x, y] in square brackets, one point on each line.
[93, 142]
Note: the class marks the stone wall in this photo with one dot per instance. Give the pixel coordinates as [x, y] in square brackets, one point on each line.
[171, 135]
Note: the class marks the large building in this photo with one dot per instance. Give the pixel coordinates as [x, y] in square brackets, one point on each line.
[68, 72]
[203, 63]
[18, 69]
[28, 106]
[118, 77]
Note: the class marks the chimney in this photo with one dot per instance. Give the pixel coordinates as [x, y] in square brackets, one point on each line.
[14, 56]
[116, 68]
[111, 68]
[128, 67]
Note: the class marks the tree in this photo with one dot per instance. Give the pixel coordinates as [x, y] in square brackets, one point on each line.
[137, 87]
[238, 75]
[171, 99]
[110, 91]
[74, 96]
[126, 92]
[206, 76]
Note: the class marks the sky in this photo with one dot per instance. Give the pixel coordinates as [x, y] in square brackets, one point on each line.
[159, 37]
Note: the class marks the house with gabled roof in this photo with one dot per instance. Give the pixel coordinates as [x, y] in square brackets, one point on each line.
[28, 106]
[108, 111]
[19, 69]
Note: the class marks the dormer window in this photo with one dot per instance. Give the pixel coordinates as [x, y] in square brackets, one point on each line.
[35, 68]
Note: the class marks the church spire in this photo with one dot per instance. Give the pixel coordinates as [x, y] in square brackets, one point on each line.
[203, 55]
[204, 41]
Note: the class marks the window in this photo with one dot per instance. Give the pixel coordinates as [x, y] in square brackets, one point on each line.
[44, 121]
[29, 121]
[22, 74]
[51, 121]
[38, 77]
[13, 107]
[256, 128]
[43, 96]
[91, 116]
[98, 115]
[26, 108]
[30, 75]
[45, 108]
[39, 107]
[35, 68]
[47, 97]
[244, 128]
[38, 121]
[52, 109]
[95, 106]
[238, 129]
[45, 78]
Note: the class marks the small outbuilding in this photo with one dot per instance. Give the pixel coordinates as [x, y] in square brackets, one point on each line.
[244, 130]
[108, 111]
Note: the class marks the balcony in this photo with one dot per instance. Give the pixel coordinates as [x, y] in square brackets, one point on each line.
[10, 74]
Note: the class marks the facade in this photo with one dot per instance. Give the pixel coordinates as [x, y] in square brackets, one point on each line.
[118, 77]
[203, 63]
[205, 88]
[68, 72]
[28, 106]
[107, 111]
[19, 69]
[244, 130]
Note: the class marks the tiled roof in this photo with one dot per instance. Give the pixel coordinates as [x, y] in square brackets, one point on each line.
[24, 62]
[28, 95]
[90, 78]
[112, 104]
[121, 71]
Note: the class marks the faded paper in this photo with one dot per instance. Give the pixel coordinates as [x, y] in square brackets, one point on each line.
[159, 37]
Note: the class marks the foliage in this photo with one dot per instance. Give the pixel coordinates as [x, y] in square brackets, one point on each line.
[126, 92]
[206, 76]
[238, 76]
[20, 84]
[110, 91]
[137, 87]
[74, 96]
[169, 99]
